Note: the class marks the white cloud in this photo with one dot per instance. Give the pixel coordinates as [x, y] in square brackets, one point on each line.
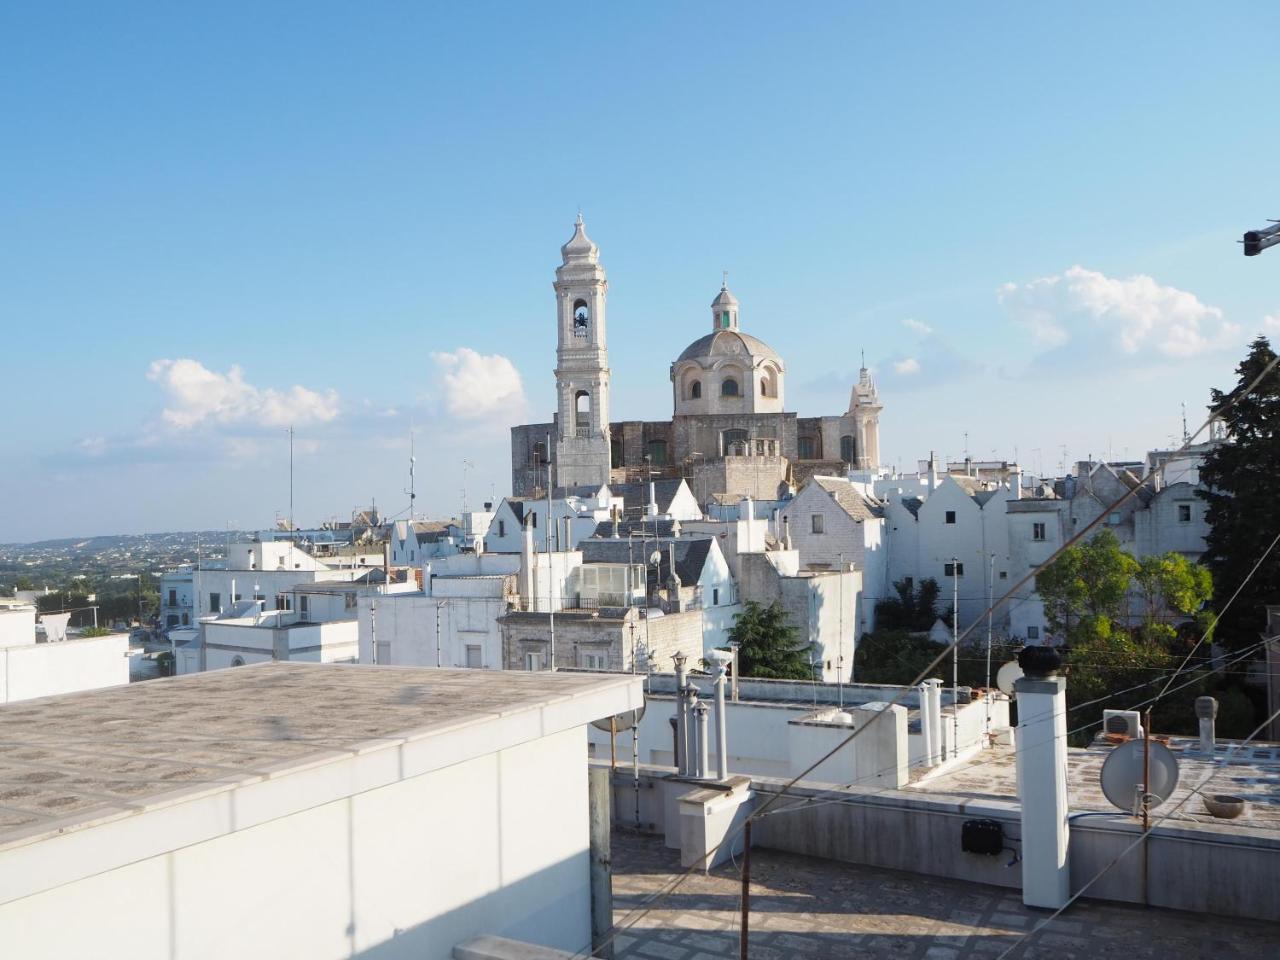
[1271, 323]
[195, 394]
[476, 385]
[1134, 315]
[908, 367]
[917, 326]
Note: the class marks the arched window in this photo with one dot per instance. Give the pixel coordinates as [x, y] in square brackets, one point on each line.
[695, 390]
[764, 387]
[538, 457]
[848, 449]
[582, 413]
[581, 318]
[733, 443]
[729, 387]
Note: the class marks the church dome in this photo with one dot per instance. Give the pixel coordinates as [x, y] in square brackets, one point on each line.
[729, 343]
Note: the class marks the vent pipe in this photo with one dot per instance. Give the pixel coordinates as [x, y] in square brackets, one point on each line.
[682, 753]
[1207, 712]
[704, 761]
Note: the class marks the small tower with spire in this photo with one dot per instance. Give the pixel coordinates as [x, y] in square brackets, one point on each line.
[582, 364]
[864, 412]
[724, 308]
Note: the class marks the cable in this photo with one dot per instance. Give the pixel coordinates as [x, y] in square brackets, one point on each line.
[1213, 772]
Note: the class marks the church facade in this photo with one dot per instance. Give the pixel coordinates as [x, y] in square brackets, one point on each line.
[729, 433]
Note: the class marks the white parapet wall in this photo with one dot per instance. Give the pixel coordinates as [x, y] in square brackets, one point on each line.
[44, 669]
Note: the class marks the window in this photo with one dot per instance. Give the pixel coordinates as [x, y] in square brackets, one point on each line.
[171, 620]
[951, 516]
[729, 387]
[186, 620]
[1113, 519]
[807, 448]
[593, 661]
[173, 594]
[1033, 633]
[538, 456]
[733, 443]
[304, 607]
[815, 523]
[284, 601]
[581, 318]
[695, 390]
[764, 388]
[215, 603]
[724, 320]
[1004, 574]
[1037, 531]
[953, 569]
[349, 601]
[502, 528]
[1184, 513]
[848, 449]
[474, 658]
[715, 596]
[533, 661]
[533, 520]
[582, 413]
[657, 453]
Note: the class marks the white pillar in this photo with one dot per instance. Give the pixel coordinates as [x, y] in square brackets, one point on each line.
[1042, 790]
[703, 736]
[682, 739]
[934, 716]
[880, 754]
[926, 728]
[722, 728]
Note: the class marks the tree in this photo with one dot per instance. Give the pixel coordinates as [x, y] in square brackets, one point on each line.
[768, 644]
[1241, 480]
[1172, 586]
[914, 608]
[24, 583]
[1088, 580]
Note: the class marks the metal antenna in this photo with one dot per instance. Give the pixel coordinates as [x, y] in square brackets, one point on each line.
[411, 491]
[1185, 436]
[290, 484]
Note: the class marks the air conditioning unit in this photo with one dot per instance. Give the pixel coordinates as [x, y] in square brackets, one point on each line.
[1126, 723]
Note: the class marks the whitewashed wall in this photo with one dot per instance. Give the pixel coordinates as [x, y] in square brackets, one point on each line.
[401, 871]
[44, 669]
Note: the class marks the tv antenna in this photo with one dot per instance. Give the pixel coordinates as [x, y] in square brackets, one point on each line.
[411, 491]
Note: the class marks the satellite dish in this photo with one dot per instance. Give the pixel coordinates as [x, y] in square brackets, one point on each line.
[1006, 676]
[1122, 774]
[622, 721]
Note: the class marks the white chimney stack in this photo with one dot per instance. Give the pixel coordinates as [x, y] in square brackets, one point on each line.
[933, 473]
[1207, 712]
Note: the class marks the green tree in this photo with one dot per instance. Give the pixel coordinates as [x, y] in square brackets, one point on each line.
[1172, 586]
[1241, 481]
[914, 608]
[24, 583]
[1090, 580]
[768, 644]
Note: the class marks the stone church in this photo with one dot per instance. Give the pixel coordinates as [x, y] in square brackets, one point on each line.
[729, 433]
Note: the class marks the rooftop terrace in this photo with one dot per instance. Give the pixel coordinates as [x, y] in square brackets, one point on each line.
[802, 907]
[1252, 772]
[76, 760]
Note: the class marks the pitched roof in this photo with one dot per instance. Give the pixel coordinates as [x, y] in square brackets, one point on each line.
[651, 527]
[691, 554]
[635, 496]
[850, 499]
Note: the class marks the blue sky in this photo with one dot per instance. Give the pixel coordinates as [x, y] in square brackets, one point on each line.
[218, 220]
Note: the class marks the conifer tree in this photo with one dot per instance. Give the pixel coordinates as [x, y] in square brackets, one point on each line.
[1242, 481]
[769, 647]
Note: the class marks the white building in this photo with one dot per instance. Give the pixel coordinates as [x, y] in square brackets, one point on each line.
[413, 543]
[177, 597]
[323, 812]
[29, 669]
[832, 523]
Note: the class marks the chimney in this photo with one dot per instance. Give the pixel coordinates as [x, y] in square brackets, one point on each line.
[526, 564]
[653, 499]
[1206, 712]
[673, 578]
[933, 473]
[786, 533]
[1015, 484]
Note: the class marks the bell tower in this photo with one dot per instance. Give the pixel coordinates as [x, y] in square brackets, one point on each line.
[582, 365]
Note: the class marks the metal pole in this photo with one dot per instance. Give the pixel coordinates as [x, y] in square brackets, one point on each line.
[955, 656]
[746, 891]
[840, 652]
[1146, 809]
[635, 765]
[613, 743]
[991, 573]
[438, 657]
[599, 785]
[722, 729]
